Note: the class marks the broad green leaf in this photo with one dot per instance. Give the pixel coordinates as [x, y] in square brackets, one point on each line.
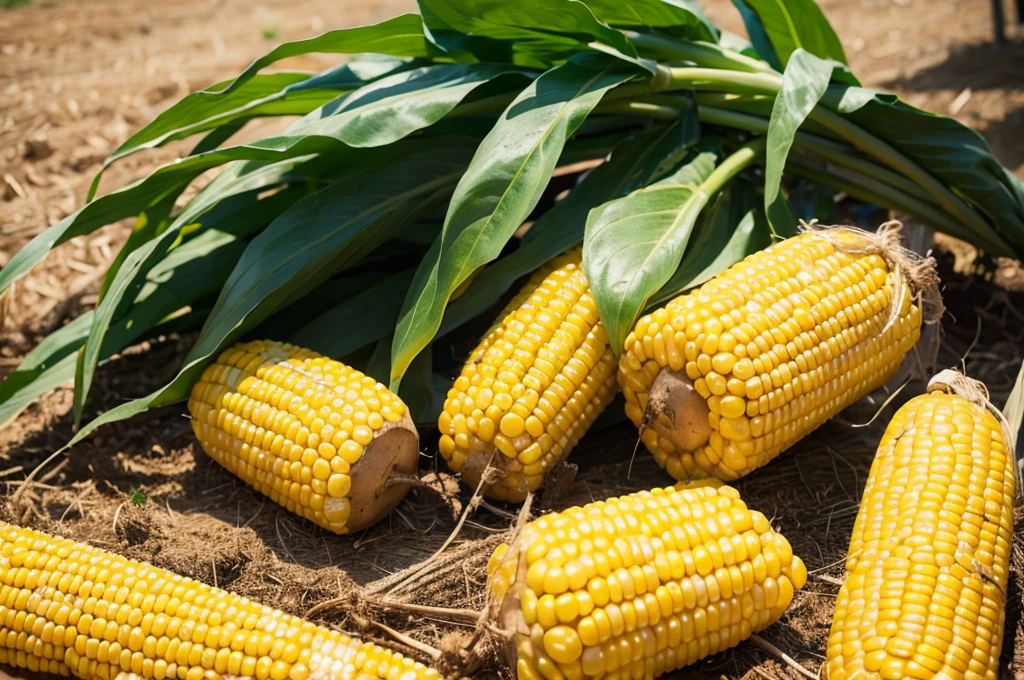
[390, 115]
[534, 34]
[330, 230]
[150, 224]
[316, 237]
[731, 229]
[803, 84]
[562, 227]
[366, 315]
[502, 186]
[276, 94]
[794, 24]
[680, 18]
[423, 390]
[762, 44]
[189, 273]
[392, 107]
[61, 343]
[955, 154]
[282, 323]
[401, 36]
[216, 137]
[48, 378]
[239, 211]
[634, 243]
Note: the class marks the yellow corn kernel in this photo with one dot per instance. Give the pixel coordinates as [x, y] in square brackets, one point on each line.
[208, 632]
[667, 598]
[533, 386]
[774, 346]
[929, 557]
[295, 425]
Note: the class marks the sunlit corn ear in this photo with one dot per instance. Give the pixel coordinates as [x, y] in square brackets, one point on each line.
[724, 378]
[72, 609]
[532, 387]
[928, 565]
[637, 586]
[313, 434]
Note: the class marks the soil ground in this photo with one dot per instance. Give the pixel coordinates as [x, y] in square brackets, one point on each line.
[78, 77]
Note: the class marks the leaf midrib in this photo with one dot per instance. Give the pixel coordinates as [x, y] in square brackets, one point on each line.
[479, 232]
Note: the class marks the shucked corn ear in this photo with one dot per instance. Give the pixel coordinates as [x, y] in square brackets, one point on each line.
[532, 387]
[724, 378]
[928, 565]
[637, 586]
[314, 435]
[71, 609]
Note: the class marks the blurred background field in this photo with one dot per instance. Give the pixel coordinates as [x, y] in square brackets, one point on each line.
[77, 77]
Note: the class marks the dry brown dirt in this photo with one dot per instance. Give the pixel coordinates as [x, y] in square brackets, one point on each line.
[77, 77]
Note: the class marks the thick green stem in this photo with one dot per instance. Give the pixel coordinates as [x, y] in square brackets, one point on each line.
[840, 154]
[639, 109]
[879, 193]
[736, 162]
[771, 84]
[702, 53]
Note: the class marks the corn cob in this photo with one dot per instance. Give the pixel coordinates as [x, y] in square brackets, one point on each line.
[724, 378]
[70, 609]
[640, 585]
[533, 386]
[929, 558]
[314, 435]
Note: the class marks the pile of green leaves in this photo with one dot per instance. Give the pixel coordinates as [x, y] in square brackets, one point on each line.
[408, 170]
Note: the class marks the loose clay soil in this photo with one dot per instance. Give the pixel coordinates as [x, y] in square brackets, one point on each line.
[78, 77]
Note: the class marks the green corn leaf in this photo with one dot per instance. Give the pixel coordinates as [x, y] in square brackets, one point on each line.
[954, 153]
[759, 39]
[423, 390]
[634, 243]
[803, 84]
[731, 229]
[533, 33]
[276, 94]
[392, 107]
[150, 224]
[791, 25]
[302, 247]
[390, 115]
[282, 323]
[216, 137]
[331, 230]
[680, 18]
[239, 208]
[562, 227]
[366, 315]
[501, 187]
[401, 36]
[195, 270]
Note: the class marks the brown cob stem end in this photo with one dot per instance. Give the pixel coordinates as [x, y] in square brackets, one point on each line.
[394, 452]
[676, 411]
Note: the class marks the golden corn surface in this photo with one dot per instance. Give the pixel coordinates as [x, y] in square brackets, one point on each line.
[71, 609]
[775, 345]
[533, 386]
[292, 424]
[640, 585]
[929, 558]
